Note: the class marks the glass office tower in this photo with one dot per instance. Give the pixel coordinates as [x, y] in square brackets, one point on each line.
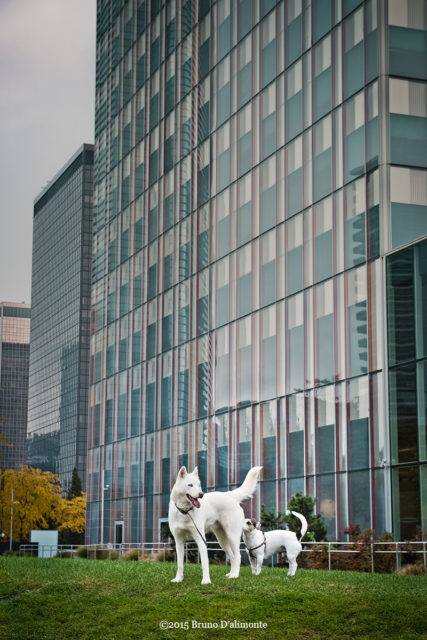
[14, 365]
[60, 326]
[258, 165]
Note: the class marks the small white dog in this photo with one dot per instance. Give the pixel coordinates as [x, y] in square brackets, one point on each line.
[220, 512]
[260, 545]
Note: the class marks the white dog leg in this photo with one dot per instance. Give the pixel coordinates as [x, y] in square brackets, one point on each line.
[292, 566]
[204, 560]
[234, 554]
[259, 560]
[180, 561]
[253, 565]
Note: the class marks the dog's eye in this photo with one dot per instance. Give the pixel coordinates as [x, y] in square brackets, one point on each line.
[190, 485]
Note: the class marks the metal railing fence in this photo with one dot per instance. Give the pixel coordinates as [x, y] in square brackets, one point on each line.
[330, 550]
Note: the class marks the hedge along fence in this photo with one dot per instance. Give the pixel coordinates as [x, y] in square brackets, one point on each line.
[368, 556]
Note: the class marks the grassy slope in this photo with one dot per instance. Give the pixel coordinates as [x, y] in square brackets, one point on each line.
[102, 600]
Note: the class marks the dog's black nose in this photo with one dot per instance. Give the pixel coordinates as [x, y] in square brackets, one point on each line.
[201, 494]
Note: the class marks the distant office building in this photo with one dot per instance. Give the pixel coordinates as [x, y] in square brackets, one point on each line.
[14, 366]
[260, 258]
[59, 355]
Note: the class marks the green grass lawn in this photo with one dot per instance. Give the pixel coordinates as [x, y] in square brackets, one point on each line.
[113, 600]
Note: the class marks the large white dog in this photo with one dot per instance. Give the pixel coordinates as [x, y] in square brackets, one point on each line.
[260, 545]
[220, 512]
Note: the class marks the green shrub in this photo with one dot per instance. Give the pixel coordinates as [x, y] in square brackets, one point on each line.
[411, 570]
[97, 553]
[132, 554]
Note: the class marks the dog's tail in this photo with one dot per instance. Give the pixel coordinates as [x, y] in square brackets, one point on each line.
[301, 534]
[248, 487]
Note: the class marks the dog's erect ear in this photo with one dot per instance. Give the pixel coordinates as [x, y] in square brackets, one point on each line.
[182, 472]
[196, 471]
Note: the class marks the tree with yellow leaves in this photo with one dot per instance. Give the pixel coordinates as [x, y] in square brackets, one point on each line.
[71, 520]
[37, 503]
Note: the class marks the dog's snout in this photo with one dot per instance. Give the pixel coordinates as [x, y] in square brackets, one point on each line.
[201, 494]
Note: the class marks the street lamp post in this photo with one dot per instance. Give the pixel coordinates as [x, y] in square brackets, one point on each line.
[12, 502]
[105, 488]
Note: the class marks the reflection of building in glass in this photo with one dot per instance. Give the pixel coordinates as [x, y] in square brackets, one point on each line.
[59, 360]
[14, 363]
[257, 162]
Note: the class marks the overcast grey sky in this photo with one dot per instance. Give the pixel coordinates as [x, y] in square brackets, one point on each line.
[47, 96]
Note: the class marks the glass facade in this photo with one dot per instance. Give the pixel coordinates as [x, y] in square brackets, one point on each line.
[407, 353]
[255, 163]
[14, 366]
[60, 327]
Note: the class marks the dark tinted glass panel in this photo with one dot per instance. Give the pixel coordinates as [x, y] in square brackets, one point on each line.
[204, 61]
[359, 501]
[403, 412]
[353, 70]
[203, 249]
[296, 453]
[321, 18]
[294, 112]
[152, 282]
[409, 501]
[170, 94]
[269, 455]
[269, 135]
[294, 40]
[167, 271]
[170, 36]
[136, 347]
[204, 122]
[222, 466]
[166, 404]
[150, 411]
[326, 448]
[408, 222]
[151, 341]
[322, 174]
[245, 461]
[203, 389]
[358, 434]
[135, 415]
[245, 17]
[245, 83]
[408, 52]
[245, 153]
[268, 55]
[408, 140]
[167, 333]
[202, 465]
[400, 307]
[322, 93]
[183, 396]
[268, 209]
